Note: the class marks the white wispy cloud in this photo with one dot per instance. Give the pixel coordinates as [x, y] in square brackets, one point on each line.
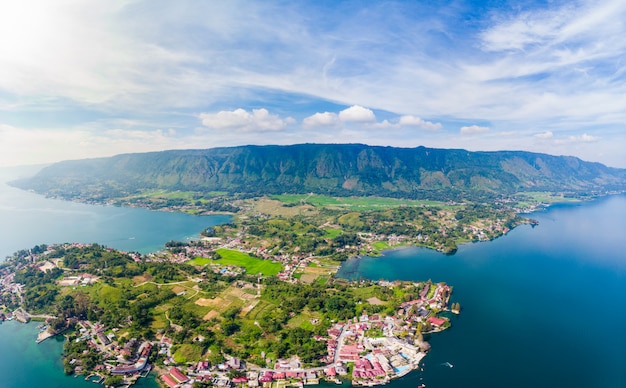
[553, 67]
[584, 138]
[473, 130]
[244, 121]
[46, 145]
[545, 135]
[414, 121]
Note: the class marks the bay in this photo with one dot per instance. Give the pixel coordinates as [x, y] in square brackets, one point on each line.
[542, 306]
[23, 363]
[28, 219]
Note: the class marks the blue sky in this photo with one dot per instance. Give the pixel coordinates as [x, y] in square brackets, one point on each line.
[86, 79]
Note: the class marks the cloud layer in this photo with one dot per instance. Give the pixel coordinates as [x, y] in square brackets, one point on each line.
[546, 77]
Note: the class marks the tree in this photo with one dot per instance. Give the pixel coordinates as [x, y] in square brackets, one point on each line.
[113, 381]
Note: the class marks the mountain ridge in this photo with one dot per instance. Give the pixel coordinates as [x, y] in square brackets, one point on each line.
[335, 169]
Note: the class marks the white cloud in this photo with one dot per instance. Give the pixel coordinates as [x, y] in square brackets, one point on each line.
[544, 135]
[473, 129]
[584, 138]
[414, 121]
[244, 121]
[367, 119]
[326, 119]
[357, 114]
[21, 146]
[127, 60]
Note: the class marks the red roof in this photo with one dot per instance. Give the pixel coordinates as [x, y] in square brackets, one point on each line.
[169, 381]
[436, 321]
[178, 375]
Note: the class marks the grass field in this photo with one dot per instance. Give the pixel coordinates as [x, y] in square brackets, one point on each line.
[355, 203]
[251, 264]
[332, 233]
[261, 309]
[276, 208]
[381, 245]
[303, 320]
[200, 261]
[363, 292]
[544, 197]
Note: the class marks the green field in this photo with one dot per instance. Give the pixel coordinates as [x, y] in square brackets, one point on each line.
[332, 233]
[543, 197]
[232, 257]
[381, 245]
[200, 261]
[355, 203]
[251, 264]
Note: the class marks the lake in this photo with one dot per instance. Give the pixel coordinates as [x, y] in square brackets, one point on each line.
[28, 219]
[542, 306]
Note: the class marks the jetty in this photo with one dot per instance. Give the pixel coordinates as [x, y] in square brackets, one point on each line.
[44, 335]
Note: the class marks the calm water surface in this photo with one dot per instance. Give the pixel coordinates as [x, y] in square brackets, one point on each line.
[542, 306]
[28, 219]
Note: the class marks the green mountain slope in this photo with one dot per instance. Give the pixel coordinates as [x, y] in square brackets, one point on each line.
[337, 169]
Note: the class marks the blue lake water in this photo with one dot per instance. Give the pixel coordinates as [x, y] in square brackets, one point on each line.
[542, 306]
[28, 219]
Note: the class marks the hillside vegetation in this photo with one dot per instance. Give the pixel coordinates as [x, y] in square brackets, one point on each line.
[333, 169]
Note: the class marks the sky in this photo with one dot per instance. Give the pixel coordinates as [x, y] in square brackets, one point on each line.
[82, 79]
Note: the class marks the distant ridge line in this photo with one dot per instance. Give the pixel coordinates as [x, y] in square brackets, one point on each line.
[333, 169]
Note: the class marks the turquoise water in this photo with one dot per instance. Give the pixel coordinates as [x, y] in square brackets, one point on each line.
[542, 306]
[23, 363]
[28, 219]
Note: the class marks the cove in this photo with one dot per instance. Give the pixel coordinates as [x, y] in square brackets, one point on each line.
[542, 306]
[28, 219]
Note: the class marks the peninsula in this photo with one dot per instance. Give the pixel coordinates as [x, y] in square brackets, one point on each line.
[216, 323]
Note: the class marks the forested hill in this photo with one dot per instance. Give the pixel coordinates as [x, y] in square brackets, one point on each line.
[336, 169]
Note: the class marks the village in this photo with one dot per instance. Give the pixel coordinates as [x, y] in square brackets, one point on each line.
[368, 350]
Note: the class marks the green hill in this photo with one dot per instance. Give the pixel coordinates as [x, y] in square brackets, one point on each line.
[335, 169]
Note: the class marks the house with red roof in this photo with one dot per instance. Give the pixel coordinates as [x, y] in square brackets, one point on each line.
[169, 381]
[267, 377]
[178, 375]
[436, 321]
